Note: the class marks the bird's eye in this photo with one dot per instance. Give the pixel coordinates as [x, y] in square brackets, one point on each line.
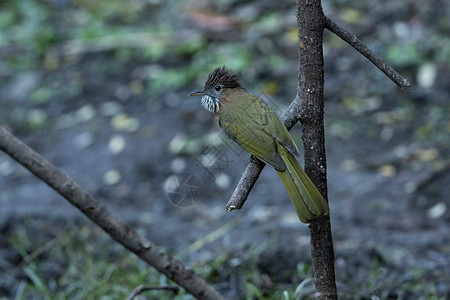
[218, 88]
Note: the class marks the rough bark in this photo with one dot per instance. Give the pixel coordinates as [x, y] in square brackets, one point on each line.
[311, 23]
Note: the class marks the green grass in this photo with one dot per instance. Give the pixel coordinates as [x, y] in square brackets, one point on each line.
[82, 262]
[90, 266]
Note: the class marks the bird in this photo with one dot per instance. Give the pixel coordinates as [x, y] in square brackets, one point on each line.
[255, 126]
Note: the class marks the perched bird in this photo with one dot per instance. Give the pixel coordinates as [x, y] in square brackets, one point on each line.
[253, 124]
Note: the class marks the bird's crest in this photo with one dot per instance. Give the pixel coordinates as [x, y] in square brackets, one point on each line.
[223, 76]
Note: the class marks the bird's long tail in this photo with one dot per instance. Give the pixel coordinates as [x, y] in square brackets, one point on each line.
[307, 200]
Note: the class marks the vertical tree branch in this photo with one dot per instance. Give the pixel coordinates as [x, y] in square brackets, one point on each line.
[311, 23]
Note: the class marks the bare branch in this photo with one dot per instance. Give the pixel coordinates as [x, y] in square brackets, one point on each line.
[101, 216]
[47, 246]
[364, 50]
[141, 288]
[245, 184]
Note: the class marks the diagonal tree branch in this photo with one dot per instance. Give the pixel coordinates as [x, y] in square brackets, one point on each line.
[101, 216]
[141, 288]
[245, 184]
[350, 38]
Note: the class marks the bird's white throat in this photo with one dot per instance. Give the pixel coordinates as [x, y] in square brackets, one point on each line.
[210, 103]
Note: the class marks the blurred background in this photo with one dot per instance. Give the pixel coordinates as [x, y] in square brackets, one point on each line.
[99, 88]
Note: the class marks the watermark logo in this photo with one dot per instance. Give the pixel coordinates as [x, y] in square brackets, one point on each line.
[183, 190]
[213, 160]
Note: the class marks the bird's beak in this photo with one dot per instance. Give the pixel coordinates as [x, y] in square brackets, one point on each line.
[197, 93]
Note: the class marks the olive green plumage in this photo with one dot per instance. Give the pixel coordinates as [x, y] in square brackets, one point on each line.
[253, 124]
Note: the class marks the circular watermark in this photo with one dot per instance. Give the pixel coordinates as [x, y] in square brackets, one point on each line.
[183, 190]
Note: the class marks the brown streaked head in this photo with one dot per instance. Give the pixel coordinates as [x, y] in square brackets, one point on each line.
[218, 80]
[223, 76]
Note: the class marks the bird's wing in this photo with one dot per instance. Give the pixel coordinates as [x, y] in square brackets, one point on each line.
[248, 124]
[274, 126]
[279, 131]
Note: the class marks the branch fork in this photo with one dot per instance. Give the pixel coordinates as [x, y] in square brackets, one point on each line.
[291, 116]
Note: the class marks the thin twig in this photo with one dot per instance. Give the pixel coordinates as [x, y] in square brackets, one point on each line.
[47, 246]
[350, 38]
[209, 238]
[428, 178]
[101, 216]
[141, 288]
